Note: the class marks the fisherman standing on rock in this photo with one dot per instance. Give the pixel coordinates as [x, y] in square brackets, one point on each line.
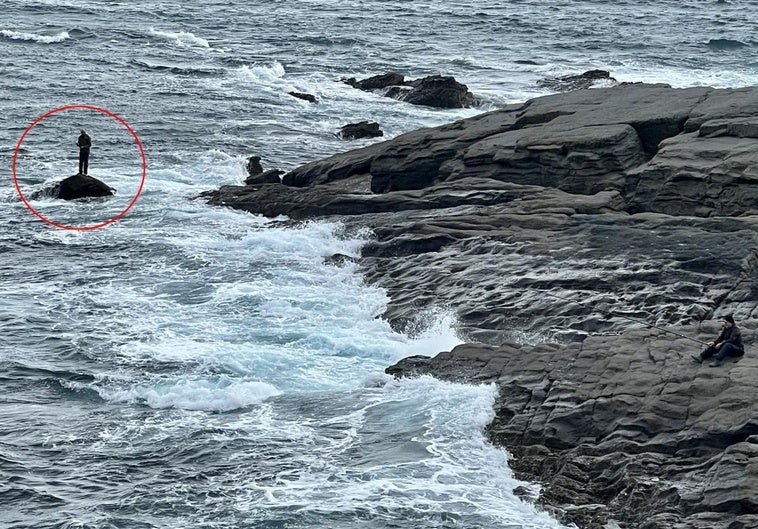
[729, 343]
[84, 142]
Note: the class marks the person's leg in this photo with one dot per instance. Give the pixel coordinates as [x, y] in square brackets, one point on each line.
[705, 355]
[86, 160]
[728, 349]
[81, 161]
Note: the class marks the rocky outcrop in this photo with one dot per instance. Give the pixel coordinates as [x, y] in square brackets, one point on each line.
[362, 129]
[81, 186]
[256, 174]
[554, 230]
[625, 427]
[433, 91]
[587, 79]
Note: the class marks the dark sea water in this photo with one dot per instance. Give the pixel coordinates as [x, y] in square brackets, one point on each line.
[190, 366]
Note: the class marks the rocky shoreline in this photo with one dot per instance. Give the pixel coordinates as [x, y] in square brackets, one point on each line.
[549, 228]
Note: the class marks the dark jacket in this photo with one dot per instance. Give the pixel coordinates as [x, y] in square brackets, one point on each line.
[733, 336]
[84, 141]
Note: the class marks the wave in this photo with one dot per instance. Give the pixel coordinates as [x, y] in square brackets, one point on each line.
[181, 38]
[177, 69]
[43, 39]
[202, 394]
[726, 44]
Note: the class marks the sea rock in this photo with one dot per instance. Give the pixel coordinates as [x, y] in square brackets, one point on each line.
[376, 82]
[254, 167]
[81, 186]
[362, 129]
[434, 91]
[437, 91]
[557, 232]
[271, 176]
[305, 97]
[587, 79]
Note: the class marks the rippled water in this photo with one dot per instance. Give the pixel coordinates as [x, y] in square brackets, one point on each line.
[190, 366]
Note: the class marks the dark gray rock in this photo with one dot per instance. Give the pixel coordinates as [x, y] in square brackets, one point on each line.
[436, 91]
[254, 167]
[305, 97]
[623, 427]
[81, 186]
[271, 176]
[376, 82]
[577, 82]
[362, 129]
[556, 231]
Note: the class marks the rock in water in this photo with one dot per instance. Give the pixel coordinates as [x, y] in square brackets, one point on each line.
[305, 97]
[364, 129]
[81, 186]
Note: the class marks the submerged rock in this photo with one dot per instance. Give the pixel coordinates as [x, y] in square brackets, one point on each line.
[81, 186]
[305, 97]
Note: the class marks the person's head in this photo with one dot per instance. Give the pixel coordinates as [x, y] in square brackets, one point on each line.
[728, 320]
[83, 132]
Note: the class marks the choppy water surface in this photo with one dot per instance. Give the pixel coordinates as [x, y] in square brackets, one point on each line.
[190, 366]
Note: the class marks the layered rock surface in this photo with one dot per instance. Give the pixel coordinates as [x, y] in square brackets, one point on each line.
[548, 228]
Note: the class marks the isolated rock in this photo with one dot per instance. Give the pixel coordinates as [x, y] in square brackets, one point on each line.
[434, 91]
[577, 82]
[363, 129]
[81, 186]
[305, 97]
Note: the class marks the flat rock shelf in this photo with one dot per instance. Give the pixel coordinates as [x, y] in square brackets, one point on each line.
[551, 229]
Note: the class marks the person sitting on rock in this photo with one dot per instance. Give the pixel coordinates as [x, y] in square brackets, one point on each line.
[84, 142]
[729, 343]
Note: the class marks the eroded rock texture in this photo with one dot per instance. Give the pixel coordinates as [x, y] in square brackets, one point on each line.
[551, 229]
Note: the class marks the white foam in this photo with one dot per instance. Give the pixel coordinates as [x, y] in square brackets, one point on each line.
[44, 39]
[196, 394]
[181, 38]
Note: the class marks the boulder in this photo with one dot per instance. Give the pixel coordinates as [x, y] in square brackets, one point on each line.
[81, 186]
[437, 91]
[376, 82]
[363, 129]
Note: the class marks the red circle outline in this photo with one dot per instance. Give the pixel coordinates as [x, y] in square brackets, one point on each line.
[85, 107]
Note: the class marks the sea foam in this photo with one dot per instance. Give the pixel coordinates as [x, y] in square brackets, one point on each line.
[44, 39]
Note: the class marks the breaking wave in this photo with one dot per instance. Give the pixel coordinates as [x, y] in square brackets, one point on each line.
[44, 39]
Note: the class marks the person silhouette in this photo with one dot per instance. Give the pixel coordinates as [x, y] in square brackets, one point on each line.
[84, 142]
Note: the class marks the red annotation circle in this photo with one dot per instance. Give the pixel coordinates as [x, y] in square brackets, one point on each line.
[80, 107]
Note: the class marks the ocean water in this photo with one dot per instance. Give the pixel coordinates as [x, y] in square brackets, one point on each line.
[191, 366]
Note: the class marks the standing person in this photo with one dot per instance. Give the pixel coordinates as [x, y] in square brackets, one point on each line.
[84, 142]
[729, 343]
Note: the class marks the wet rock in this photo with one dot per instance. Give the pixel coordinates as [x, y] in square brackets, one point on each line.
[376, 82]
[254, 167]
[557, 231]
[81, 186]
[305, 97]
[437, 91]
[272, 176]
[587, 79]
[363, 129]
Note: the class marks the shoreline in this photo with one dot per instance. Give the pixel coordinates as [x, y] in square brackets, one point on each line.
[635, 201]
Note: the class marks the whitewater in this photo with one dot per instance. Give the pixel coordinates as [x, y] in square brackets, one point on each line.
[193, 366]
